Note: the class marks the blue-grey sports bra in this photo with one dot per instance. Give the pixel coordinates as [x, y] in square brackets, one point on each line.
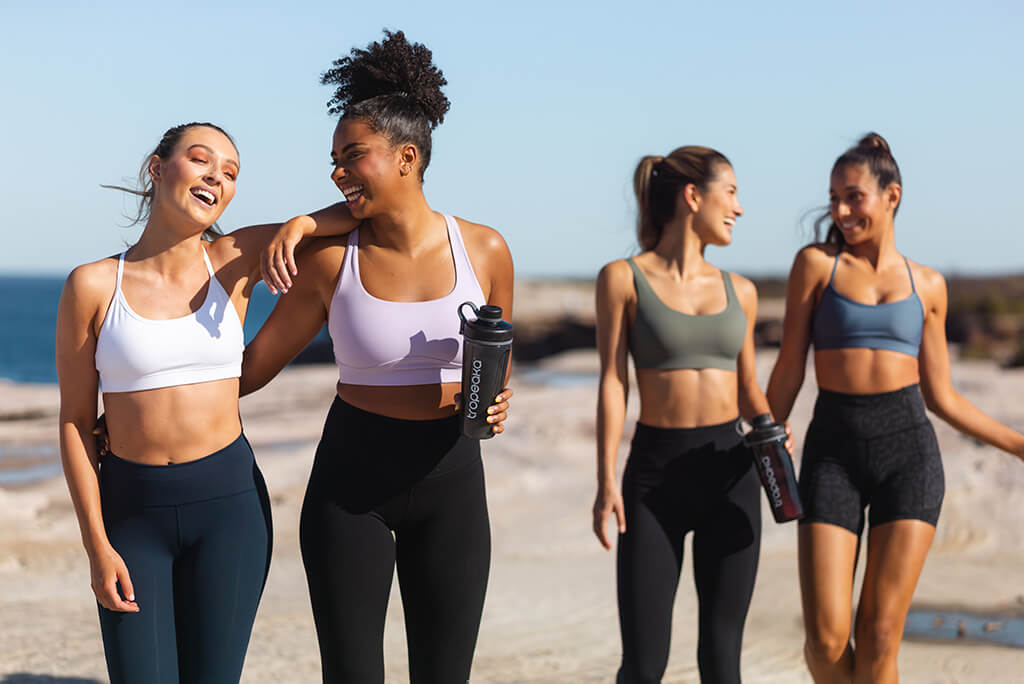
[842, 323]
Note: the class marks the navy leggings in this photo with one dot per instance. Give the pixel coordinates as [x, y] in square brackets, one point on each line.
[679, 480]
[386, 492]
[196, 539]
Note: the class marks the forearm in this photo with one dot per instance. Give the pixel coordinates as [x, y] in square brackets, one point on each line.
[79, 459]
[972, 421]
[752, 402]
[783, 387]
[611, 415]
[335, 219]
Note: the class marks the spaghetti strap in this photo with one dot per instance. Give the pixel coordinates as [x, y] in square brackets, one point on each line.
[831, 278]
[730, 292]
[120, 270]
[913, 288]
[206, 260]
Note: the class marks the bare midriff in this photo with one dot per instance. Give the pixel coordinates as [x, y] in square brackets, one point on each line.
[687, 398]
[172, 425]
[409, 402]
[864, 371]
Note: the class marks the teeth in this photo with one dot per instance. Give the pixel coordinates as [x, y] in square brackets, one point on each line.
[351, 192]
[730, 222]
[205, 195]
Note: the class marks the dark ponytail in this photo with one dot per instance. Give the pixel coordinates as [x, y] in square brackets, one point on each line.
[873, 151]
[658, 181]
[394, 88]
[163, 150]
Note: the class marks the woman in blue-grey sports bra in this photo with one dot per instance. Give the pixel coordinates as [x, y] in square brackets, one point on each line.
[877, 323]
[689, 328]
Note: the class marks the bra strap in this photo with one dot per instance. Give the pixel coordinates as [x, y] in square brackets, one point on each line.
[913, 288]
[206, 259]
[730, 292]
[832, 278]
[120, 271]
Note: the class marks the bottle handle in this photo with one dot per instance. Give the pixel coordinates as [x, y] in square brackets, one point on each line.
[476, 313]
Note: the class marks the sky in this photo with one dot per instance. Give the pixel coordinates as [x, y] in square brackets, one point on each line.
[553, 105]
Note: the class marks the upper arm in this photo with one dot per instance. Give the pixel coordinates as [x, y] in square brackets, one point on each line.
[746, 364]
[86, 293]
[613, 292]
[496, 273]
[933, 359]
[335, 219]
[802, 288]
[295, 320]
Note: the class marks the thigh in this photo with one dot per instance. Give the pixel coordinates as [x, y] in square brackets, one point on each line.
[648, 562]
[828, 482]
[219, 578]
[443, 556]
[349, 560]
[896, 555]
[142, 647]
[907, 467]
[827, 558]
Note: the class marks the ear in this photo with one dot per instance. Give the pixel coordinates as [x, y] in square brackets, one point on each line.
[893, 193]
[691, 197]
[154, 168]
[408, 155]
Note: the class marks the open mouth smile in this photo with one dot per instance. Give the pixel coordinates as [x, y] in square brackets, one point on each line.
[351, 192]
[204, 196]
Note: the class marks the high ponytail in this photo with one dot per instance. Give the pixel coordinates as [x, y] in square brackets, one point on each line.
[873, 151]
[658, 181]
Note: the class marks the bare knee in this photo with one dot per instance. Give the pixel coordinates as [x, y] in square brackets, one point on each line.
[878, 638]
[826, 644]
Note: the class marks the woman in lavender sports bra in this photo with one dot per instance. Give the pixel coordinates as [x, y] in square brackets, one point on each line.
[393, 483]
[174, 516]
[877, 322]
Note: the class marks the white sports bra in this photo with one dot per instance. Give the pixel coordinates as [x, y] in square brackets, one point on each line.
[135, 353]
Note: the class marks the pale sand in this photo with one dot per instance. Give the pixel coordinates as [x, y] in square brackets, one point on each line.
[550, 614]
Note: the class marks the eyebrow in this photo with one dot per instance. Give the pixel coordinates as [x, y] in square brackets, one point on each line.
[229, 160]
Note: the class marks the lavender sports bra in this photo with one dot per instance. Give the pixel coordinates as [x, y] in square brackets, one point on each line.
[382, 342]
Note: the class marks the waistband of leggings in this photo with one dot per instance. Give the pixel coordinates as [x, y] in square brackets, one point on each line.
[225, 472]
[343, 411]
[911, 392]
[724, 435]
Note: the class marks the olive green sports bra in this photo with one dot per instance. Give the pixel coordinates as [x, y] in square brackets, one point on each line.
[664, 338]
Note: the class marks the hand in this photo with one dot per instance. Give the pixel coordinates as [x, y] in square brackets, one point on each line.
[101, 435]
[108, 571]
[277, 261]
[609, 500]
[789, 438]
[497, 412]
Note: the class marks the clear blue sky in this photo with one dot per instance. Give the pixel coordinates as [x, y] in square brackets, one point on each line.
[553, 103]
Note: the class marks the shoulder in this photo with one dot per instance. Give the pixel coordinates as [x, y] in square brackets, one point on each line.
[816, 256]
[94, 281]
[745, 289]
[482, 239]
[323, 254]
[615, 280]
[928, 281]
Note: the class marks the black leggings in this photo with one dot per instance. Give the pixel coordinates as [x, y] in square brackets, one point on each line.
[385, 490]
[196, 540]
[679, 480]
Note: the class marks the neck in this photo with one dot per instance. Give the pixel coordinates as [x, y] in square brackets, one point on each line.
[166, 246]
[876, 251]
[405, 227]
[680, 248]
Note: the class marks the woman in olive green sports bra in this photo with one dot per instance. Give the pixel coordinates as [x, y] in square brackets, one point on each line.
[689, 327]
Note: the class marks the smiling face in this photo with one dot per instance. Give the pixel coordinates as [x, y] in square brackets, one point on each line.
[368, 170]
[862, 210]
[196, 181]
[718, 207]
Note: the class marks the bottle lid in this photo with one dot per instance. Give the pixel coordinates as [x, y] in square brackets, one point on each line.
[487, 326]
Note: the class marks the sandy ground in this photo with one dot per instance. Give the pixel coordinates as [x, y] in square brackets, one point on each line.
[550, 614]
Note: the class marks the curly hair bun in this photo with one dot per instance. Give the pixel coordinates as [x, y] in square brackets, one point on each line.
[394, 67]
[874, 141]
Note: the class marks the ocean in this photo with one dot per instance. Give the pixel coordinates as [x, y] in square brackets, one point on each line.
[28, 309]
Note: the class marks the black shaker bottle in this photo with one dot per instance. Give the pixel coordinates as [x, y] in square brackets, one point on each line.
[767, 445]
[486, 344]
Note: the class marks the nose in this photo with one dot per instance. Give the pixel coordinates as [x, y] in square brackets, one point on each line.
[337, 174]
[842, 210]
[738, 210]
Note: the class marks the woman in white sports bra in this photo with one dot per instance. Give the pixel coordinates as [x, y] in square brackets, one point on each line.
[394, 482]
[174, 517]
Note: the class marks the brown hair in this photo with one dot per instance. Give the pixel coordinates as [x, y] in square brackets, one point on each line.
[164, 148]
[658, 181]
[873, 151]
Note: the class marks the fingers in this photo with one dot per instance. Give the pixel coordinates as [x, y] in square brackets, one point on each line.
[289, 258]
[497, 413]
[281, 267]
[600, 516]
[620, 516]
[110, 598]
